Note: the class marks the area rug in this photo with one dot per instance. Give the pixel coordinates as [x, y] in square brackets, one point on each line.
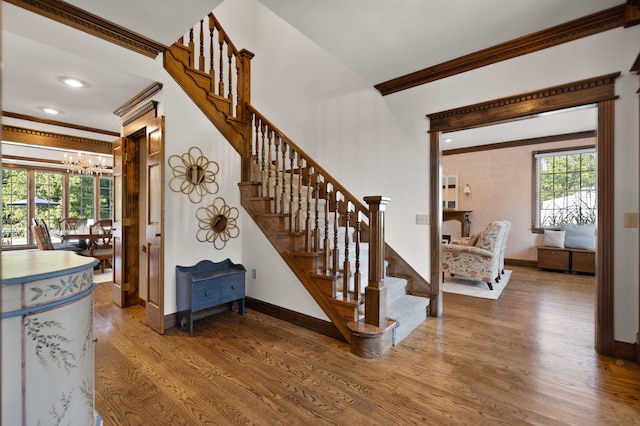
[103, 277]
[471, 287]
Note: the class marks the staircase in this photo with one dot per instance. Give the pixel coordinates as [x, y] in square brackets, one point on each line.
[332, 242]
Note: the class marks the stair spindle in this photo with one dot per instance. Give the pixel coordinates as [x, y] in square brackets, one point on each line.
[238, 96]
[346, 266]
[356, 274]
[307, 219]
[336, 251]
[269, 164]
[299, 206]
[327, 243]
[230, 70]
[283, 198]
[192, 50]
[201, 57]
[292, 154]
[220, 73]
[256, 147]
[262, 156]
[212, 71]
[276, 187]
[316, 228]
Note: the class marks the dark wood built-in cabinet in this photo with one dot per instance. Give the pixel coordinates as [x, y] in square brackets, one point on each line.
[567, 260]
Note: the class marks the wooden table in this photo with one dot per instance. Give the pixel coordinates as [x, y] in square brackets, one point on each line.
[460, 215]
[82, 235]
[72, 234]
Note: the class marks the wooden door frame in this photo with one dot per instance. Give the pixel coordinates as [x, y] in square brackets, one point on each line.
[636, 68]
[136, 126]
[599, 91]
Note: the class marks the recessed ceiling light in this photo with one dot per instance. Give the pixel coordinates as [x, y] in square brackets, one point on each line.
[72, 82]
[51, 111]
[448, 140]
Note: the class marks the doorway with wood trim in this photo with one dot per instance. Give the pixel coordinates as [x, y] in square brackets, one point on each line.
[139, 215]
[599, 91]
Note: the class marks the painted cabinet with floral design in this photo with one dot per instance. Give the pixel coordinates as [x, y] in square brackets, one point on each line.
[47, 339]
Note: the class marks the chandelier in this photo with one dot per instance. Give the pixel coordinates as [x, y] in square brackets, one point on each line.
[84, 166]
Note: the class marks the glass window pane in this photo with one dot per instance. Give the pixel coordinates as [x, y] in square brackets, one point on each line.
[81, 197]
[566, 189]
[14, 207]
[48, 202]
[106, 198]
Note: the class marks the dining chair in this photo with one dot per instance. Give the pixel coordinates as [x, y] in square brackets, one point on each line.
[43, 242]
[70, 223]
[101, 246]
[43, 238]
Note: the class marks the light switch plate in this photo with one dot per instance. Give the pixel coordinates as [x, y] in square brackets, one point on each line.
[631, 220]
[422, 219]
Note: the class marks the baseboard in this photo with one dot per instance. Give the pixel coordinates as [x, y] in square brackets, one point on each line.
[302, 320]
[171, 320]
[625, 351]
[520, 262]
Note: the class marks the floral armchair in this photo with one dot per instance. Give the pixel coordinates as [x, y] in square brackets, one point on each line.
[479, 259]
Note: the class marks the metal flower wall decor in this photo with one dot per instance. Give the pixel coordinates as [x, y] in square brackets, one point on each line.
[217, 223]
[193, 174]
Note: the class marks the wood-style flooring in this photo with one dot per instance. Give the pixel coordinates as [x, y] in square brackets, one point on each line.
[526, 358]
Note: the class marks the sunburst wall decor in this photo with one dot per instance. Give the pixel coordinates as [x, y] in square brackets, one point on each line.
[193, 174]
[217, 223]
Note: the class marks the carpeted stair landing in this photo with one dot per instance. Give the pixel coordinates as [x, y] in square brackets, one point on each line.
[407, 310]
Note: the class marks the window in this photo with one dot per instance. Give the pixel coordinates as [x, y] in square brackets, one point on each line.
[14, 210]
[564, 188]
[81, 196]
[106, 198]
[48, 202]
[88, 196]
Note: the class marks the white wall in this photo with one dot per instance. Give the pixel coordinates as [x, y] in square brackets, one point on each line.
[185, 127]
[379, 145]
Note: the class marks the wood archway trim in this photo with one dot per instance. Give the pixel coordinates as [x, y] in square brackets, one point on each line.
[57, 140]
[599, 91]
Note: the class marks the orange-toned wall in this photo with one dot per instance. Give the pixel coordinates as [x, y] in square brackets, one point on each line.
[500, 182]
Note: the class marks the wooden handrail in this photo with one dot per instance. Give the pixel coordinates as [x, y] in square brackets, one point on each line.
[226, 66]
[314, 222]
[359, 206]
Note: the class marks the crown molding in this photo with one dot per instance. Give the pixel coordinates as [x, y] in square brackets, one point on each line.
[569, 31]
[82, 20]
[55, 164]
[132, 103]
[55, 140]
[577, 93]
[522, 142]
[58, 123]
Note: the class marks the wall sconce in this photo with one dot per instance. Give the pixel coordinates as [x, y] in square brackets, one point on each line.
[467, 191]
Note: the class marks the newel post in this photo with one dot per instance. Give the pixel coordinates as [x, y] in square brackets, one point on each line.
[242, 111]
[373, 337]
[376, 292]
[244, 85]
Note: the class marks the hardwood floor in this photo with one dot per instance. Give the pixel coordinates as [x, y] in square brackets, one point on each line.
[526, 358]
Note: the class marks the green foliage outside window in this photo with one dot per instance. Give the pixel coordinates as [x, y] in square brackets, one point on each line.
[567, 189]
[14, 217]
[49, 189]
[81, 196]
[106, 198]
